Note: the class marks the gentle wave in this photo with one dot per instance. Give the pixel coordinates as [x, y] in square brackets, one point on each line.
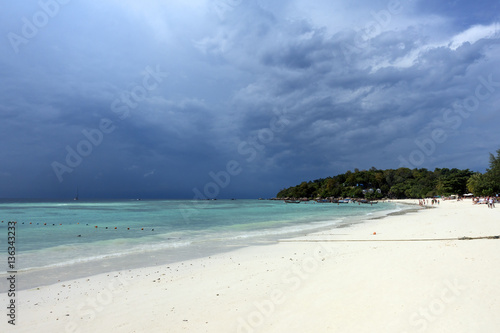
[286, 230]
[84, 259]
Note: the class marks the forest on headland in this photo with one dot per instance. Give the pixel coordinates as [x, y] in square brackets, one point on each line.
[401, 183]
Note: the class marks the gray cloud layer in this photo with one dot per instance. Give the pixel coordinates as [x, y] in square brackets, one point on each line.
[289, 90]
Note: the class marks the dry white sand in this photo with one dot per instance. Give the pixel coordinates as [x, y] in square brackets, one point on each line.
[342, 286]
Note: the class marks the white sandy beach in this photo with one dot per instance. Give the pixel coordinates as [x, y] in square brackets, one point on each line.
[342, 286]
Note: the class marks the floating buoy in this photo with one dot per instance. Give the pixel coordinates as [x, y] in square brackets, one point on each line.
[374, 233]
[96, 226]
[115, 228]
[142, 228]
[45, 224]
[128, 228]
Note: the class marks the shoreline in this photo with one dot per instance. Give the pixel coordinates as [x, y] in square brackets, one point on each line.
[442, 286]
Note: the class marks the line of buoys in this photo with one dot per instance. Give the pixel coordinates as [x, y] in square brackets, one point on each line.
[45, 223]
[116, 228]
[54, 224]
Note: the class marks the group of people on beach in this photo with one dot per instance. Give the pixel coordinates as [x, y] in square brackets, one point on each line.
[424, 202]
[490, 201]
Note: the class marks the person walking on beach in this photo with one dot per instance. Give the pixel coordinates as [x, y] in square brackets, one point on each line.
[491, 203]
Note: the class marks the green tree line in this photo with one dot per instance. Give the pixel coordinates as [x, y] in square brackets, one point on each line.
[401, 183]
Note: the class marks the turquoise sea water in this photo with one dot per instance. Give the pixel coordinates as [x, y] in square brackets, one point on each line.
[77, 238]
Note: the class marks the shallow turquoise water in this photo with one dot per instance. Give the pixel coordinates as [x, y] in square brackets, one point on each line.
[62, 234]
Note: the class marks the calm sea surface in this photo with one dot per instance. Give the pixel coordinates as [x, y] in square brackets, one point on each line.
[62, 240]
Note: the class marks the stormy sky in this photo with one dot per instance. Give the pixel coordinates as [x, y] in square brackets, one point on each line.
[240, 98]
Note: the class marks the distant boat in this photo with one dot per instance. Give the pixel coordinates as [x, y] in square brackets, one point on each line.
[292, 201]
[76, 197]
[344, 201]
[368, 202]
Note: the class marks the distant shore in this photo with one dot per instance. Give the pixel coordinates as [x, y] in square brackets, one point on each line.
[401, 273]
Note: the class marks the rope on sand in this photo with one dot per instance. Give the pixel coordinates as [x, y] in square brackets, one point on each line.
[386, 240]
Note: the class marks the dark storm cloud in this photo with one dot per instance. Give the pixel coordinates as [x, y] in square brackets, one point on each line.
[289, 90]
